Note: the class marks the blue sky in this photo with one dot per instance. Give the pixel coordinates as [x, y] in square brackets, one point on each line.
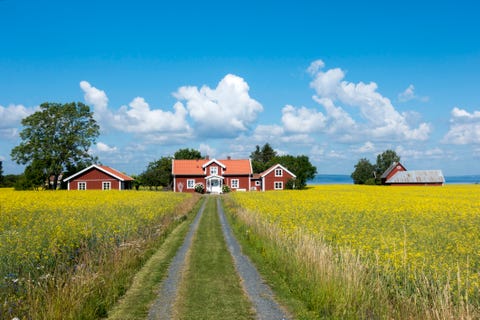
[334, 81]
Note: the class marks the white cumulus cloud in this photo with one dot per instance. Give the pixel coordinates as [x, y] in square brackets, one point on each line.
[302, 119]
[103, 147]
[464, 127]
[226, 110]
[11, 118]
[379, 120]
[409, 94]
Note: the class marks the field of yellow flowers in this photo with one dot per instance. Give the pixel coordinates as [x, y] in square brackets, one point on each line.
[45, 234]
[413, 235]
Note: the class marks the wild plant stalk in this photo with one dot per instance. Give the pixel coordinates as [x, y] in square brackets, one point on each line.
[87, 285]
[337, 283]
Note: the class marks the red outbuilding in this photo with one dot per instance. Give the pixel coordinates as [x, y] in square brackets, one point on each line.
[274, 178]
[97, 177]
[398, 175]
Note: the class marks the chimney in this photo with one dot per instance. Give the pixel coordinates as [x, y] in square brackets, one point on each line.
[229, 158]
[207, 157]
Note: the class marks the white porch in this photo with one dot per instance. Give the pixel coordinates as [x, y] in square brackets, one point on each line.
[214, 184]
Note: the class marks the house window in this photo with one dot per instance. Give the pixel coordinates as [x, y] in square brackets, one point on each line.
[82, 186]
[106, 185]
[278, 185]
[190, 183]
[278, 172]
[235, 183]
[214, 171]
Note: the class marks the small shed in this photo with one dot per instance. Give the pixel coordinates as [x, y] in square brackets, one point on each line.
[98, 177]
[398, 175]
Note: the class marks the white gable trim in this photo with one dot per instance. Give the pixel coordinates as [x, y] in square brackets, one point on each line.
[212, 161]
[91, 167]
[276, 167]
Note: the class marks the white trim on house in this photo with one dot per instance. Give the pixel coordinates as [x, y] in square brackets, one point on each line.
[236, 182]
[84, 183]
[91, 167]
[189, 181]
[106, 185]
[212, 161]
[279, 186]
[275, 167]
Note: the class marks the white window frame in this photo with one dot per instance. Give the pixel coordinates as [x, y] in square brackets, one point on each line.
[235, 183]
[214, 170]
[106, 185]
[190, 183]
[82, 183]
[278, 172]
[278, 185]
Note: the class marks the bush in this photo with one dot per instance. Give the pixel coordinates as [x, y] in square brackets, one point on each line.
[199, 188]
[225, 189]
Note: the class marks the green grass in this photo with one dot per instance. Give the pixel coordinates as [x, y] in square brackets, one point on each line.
[210, 286]
[136, 302]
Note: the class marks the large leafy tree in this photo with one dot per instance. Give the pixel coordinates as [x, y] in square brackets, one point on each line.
[299, 165]
[158, 173]
[364, 172]
[261, 157]
[57, 137]
[1, 173]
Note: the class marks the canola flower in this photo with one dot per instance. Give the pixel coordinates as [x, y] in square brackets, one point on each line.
[408, 232]
[39, 230]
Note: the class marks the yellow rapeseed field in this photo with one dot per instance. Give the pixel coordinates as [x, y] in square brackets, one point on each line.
[43, 233]
[409, 232]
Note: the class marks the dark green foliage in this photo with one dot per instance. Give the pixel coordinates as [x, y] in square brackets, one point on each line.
[261, 157]
[158, 173]
[56, 137]
[364, 171]
[1, 173]
[299, 165]
[367, 173]
[187, 154]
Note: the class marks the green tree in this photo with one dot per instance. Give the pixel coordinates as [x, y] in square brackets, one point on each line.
[364, 171]
[299, 165]
[385, 160]
[57, 136]
[187, 154]
[261, 157]
[158, 173]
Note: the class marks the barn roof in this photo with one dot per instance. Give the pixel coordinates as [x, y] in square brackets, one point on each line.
[108, 170]
[196, 167]
[417, 176]
[390, 169]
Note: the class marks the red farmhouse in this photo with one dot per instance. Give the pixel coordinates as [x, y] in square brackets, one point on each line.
[98, 177]
[236, 174]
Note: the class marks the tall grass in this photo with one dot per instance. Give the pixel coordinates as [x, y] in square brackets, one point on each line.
[70, 255]
[321, 279]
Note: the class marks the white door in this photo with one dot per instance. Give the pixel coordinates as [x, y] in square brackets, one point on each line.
[215, 186]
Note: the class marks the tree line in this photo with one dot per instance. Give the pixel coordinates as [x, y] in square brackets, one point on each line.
[367, 173]
[56, 139]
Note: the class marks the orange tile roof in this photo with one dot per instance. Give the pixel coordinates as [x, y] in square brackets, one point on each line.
[117, 173]
[194, 167]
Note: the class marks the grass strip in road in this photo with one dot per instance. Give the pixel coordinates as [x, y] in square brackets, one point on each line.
[210, 286]
[137, 300]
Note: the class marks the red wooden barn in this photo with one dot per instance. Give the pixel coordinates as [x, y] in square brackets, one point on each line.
[398, 175]
[274, 178]
[238, 175]
[98, 177]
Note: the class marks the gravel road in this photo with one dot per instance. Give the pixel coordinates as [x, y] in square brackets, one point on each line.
[258, 292]
[162, 307]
